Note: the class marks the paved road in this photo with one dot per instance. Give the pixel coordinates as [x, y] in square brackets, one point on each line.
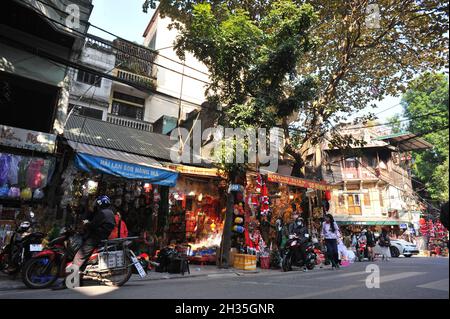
[405, 278]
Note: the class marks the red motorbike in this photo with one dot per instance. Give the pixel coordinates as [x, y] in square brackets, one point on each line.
[361, 250]
[110, 263]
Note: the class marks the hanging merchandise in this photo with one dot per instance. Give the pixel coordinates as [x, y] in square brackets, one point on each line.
[14, 192]
[238, 229]
[4, 168]
[264, 200]
[34, 174]
[259, 184]
[13, 177]
[38, 194]
[4, 190]
[239, 220]
[26, 194]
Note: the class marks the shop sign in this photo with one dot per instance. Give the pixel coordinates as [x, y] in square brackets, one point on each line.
[213, 172]
[299, 182]
[89, 163]
[31, 140]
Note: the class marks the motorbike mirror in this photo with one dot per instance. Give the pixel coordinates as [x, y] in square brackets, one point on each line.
[31, 214]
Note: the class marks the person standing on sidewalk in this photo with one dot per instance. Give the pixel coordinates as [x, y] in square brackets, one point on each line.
[331, 233]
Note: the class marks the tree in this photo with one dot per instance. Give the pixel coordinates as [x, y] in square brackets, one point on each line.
[360, 53]
[426, 103]
[395, 124]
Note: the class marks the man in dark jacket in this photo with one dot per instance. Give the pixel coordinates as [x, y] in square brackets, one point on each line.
[299, 228]
[98, 228]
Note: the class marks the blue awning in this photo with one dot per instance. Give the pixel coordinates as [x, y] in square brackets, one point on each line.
[96, 159]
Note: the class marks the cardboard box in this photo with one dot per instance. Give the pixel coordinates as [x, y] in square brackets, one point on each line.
[245, 262]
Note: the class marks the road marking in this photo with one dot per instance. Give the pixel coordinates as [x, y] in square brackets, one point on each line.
[324, 292]
[436, 285]
[343, 275]
[402, 275]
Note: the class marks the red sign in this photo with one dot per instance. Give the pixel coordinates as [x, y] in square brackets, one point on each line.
[299, 182]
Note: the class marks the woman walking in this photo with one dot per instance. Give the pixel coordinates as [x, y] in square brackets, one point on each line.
[385, 244]
[331, 234]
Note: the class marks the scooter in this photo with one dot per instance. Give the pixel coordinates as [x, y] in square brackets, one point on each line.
[23, 244]
[361, 251]
[291, 254]
[110, 263]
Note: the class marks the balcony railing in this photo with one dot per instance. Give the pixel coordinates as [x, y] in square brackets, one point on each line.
[136, 124]
[141, 80]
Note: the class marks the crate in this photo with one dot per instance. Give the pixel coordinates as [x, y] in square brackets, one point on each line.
[245, 262]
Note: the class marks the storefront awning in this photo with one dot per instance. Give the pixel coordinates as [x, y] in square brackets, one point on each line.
[91, 158]
[299, 182]
[406, 142]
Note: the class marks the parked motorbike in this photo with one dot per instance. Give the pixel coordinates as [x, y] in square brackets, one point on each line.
[23, 244]
[111, 263]
[291, 254]
[361, 251]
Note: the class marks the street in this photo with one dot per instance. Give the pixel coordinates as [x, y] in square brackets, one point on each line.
[404, 278]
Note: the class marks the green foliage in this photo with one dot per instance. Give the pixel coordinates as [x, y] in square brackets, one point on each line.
[429, 94]
[395, 124]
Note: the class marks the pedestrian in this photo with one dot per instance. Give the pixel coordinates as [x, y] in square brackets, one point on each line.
[370, 243]
[330, 233]
[385, 243]
[120, 229]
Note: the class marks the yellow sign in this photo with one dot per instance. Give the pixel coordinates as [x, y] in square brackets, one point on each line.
[192, 170]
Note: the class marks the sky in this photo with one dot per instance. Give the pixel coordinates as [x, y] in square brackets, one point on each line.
[126, 19]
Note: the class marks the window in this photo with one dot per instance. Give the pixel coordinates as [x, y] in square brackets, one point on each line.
[128, 98]
[152, 43]
[89, 78]
[367, 199]
[381, 198]
[87, 111]
[350, 167]
[127, 110]
[341, 199]
[354, 204]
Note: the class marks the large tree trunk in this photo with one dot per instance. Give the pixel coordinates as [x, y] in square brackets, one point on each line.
[227, 233]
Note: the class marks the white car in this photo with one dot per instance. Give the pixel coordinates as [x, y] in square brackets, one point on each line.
[403, 247]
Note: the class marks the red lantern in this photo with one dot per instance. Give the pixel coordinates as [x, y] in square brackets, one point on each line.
[328, 195]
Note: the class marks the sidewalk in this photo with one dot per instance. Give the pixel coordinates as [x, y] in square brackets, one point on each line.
[6, 283]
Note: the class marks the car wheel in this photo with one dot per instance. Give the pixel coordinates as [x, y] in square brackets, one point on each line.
[395, 252]
[407, 256]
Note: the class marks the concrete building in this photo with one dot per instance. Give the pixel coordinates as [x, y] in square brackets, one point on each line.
[180, 85]
[373, 183]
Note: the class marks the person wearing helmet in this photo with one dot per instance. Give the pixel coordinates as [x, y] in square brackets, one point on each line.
[299, 228]
[98, 228]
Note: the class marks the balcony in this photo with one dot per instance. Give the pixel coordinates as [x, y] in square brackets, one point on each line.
[127, 122]
[141, 80]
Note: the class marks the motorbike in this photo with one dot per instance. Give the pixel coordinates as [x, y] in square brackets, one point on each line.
[21, 247]
[291, 254]
[361, 251]
[111, 263]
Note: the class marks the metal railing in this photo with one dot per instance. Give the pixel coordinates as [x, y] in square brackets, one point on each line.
[136, 124]
[135, 78]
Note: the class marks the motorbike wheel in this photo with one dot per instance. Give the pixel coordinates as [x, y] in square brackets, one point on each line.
[311, 265]
[360, 257]
[286, 263]
[120, 277]
[39, 273]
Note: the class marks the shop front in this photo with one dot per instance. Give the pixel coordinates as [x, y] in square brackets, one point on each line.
[269, 197]
[196, 213]
[27, 166]
[138, 187]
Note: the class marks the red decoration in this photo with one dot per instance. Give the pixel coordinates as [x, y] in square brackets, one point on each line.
[328, 195]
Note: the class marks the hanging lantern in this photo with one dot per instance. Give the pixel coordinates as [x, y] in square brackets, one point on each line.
[328, 195]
